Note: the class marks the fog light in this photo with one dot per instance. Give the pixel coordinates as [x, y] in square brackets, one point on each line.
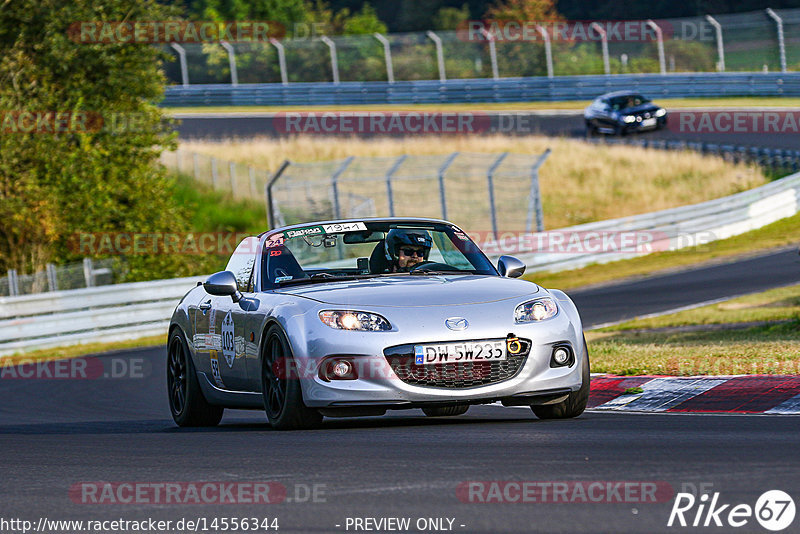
[341, 369]
[561, 356]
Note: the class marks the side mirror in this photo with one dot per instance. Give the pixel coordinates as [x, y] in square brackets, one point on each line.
[223, 284]
[510, 267]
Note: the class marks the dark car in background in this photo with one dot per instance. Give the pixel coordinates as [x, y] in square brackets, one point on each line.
[623, 112]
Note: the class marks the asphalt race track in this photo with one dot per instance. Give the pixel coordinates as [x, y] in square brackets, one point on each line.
[56, 434]
[570, 124]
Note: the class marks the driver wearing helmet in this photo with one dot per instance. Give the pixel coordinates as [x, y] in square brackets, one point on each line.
[405, 249]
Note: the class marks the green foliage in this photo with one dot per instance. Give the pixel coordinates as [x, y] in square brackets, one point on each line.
[449, 18]
[54, 186]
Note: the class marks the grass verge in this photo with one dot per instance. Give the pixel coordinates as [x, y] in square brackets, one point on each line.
[499, 106]
[734, 346]
[87, 349]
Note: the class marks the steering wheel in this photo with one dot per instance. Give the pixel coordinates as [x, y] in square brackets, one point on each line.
[433, 266]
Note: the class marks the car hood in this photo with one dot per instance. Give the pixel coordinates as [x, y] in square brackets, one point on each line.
[639, 109]
[415, 291]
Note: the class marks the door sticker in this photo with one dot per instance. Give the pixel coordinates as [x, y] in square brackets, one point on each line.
[228, 349]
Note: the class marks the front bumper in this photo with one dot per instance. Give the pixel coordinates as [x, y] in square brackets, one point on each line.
[378, 384]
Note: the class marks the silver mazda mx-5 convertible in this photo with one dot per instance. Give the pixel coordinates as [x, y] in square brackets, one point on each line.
[354, 317]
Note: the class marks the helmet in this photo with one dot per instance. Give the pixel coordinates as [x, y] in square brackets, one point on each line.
[397, 237]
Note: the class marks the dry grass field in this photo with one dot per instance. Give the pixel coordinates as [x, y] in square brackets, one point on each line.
[580, 182]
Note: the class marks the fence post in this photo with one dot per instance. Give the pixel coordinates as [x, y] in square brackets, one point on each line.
[492, 53]
[439, 55]
[252, 173]
[334, 58]
[214, 173]
[182, 59]
[390, 196]
[270, 205]
[52, 279]
[232, 173]
[660, 43]
[88, 273]
[231, 62]
[490, 184]
[548, 50]
[604, 41]
[335, 186]
[195, 158]
[440, 174]
[720, 46]
[13, 283]
[281, 60]
[387, 55]
[781, 44]
[535, 197]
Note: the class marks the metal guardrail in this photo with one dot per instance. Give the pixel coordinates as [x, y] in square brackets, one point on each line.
[484, 90]
[89, 315]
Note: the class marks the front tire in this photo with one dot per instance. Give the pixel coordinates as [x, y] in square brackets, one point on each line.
[186, 401]
[446, 411]
[280, 385]
[575, 403]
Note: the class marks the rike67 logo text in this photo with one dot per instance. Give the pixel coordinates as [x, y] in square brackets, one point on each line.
[774, 510]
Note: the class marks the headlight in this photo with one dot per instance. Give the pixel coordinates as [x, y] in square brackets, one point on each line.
[354, 320]
[660, 112]
[628, 119]
[535, 310]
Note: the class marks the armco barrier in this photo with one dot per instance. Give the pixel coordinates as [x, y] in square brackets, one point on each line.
[96, 314]
[128, 311]
[683, 226]
[484, 90]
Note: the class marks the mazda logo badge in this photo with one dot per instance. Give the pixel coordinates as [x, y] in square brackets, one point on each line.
[456, 323]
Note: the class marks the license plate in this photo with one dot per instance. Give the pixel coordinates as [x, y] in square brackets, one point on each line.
[647, 123]
[465, 351]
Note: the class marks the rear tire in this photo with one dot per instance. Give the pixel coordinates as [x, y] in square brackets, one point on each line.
[280, 385]
[186, 401]
[575, 404]
[446, 411]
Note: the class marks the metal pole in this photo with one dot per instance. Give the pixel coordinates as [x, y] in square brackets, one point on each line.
[720, 46]
[535, 197]
[232, 62]
[335, 185]
[88, 275]
[214, 173]
[182, 59]
[604, 40]
[281, 60]
[52, 279]
[252, 173]
[389, 194]
[334, 58]
[195, 158]
[13, 283]
[548, 50]
[490, 184]
[442, 194]
[387, 55]
[660, 43]
[781, 45]
[270, 205]
[439, 55]
[232, 173]
[492, 53]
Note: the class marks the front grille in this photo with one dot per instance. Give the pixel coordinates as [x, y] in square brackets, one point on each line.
[454, 375]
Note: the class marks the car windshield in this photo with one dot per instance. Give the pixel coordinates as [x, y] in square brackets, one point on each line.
[627, 102]
[365, 249]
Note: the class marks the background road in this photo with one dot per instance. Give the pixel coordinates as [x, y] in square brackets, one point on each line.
[570, 124]
[56, 433]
